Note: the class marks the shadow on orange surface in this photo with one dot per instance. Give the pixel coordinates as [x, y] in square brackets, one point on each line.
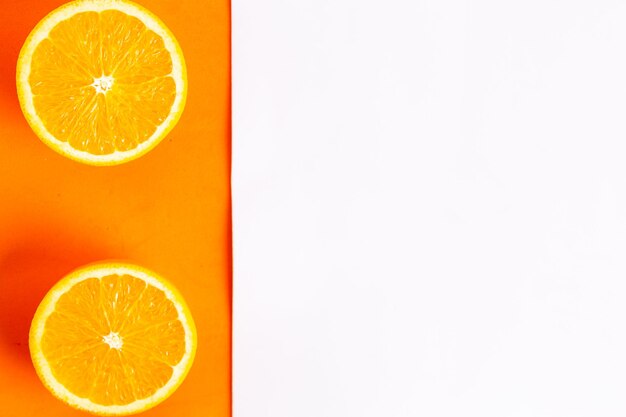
[28, 269]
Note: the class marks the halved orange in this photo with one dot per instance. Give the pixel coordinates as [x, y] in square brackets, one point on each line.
[112, 339]
[101, 81]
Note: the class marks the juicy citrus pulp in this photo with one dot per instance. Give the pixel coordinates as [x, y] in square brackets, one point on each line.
[101, 81]
[112, 339]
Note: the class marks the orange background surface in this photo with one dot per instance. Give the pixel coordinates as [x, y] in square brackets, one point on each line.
[168, 211]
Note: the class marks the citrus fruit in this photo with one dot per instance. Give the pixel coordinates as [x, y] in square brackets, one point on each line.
[101, 81]
[112, 339]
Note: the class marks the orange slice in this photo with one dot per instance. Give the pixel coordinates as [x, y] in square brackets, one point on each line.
[101, 81]
[112, 339]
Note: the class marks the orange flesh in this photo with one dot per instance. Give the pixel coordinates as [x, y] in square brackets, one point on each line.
[152, 338]
[81, 50]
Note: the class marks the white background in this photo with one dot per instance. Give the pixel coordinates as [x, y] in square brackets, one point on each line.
[429, 208]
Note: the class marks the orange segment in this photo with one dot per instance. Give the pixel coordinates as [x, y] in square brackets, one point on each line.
[101, 81]
[112, 339]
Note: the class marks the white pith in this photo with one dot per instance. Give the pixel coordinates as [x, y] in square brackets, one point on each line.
[63, 13]
[47, 308]
[103, 84]
[114, 340]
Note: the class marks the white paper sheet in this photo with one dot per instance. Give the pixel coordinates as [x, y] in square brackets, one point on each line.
[429, 208]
